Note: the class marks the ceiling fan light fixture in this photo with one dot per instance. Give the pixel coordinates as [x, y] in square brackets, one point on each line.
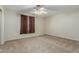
[39, 10]
[42, 8]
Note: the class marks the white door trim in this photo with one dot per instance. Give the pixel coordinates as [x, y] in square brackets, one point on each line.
[2, 25]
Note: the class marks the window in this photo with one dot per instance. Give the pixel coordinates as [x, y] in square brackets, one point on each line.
[27, 24]
[31, 24]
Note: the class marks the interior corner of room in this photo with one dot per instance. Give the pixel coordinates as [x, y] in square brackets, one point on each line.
[60, 21]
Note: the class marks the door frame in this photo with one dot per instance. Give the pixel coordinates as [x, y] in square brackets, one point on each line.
[2, 25]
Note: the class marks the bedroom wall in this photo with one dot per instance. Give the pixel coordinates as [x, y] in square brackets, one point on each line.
[0, 26]
[12, 26]
[64, 25]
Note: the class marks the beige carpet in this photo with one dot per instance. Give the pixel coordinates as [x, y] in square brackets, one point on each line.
[41, 44]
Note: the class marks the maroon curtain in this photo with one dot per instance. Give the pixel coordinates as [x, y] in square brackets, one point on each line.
[24, 24]
[31, 24]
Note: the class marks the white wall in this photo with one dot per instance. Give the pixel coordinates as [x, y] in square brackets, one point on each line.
[0, 26]
[64, 25]
[12, 26]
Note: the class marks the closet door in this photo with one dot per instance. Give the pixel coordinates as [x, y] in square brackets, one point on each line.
[24, 24]
[31, 24]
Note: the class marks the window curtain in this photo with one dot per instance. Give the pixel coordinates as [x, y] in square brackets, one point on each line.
[31, 24]
[27, 24]
[24, 24]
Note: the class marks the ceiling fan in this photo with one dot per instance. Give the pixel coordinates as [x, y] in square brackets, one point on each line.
[39, 10]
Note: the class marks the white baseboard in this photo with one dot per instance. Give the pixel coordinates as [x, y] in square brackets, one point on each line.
[17, 38]
[64, 37]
